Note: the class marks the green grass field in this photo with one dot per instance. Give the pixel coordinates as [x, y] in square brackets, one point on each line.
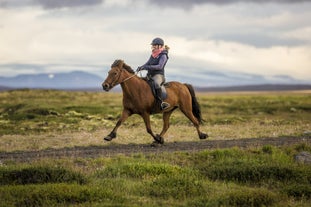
[262, 176]
[266, 176]
[40, 119]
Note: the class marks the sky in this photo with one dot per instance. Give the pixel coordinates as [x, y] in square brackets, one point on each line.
[266, 38]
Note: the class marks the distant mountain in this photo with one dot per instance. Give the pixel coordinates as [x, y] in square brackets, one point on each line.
[72, 80]
[207, 81]
[3, 88]
[262, 87]
[213, 78]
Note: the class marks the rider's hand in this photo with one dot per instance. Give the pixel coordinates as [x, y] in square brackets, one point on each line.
[140, 68]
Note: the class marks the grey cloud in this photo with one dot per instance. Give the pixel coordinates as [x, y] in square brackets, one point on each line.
[191, 3]
[258, 40]
[49, 4]
[55, 4]
[15, 3]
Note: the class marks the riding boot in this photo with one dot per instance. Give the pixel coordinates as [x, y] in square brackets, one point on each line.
[163, 105]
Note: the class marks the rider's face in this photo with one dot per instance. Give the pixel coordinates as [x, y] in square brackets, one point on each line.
[155, 47]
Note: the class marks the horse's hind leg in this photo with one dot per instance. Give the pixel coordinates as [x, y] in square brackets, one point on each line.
[188, 113]
[113, 133]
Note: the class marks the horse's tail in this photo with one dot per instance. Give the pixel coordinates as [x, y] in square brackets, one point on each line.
[196, 109]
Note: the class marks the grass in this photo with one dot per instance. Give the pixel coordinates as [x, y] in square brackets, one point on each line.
[227, 177]
[39, 175]
[265, 176]
[40, 119]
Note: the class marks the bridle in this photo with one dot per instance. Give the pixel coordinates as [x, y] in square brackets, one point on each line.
[128, 78]
[114, 83]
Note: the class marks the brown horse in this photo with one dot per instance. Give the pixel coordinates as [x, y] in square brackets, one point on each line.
[138, 99]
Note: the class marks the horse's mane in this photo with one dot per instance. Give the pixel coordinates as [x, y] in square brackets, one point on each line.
[128, 68]
[122, 64]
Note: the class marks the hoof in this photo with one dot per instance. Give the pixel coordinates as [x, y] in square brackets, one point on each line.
[203, 135]
[156, 144]
[110, 137]
[159, 139]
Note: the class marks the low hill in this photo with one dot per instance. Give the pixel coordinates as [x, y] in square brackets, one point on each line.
[262, 87]
[72, 80]
[84, 81]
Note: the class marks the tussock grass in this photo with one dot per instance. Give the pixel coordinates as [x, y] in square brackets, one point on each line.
[266, 166]
[248, 197]
[139, 170]
[178, 187]
[300, 190]
[249, 172]
[251, 197]
[39, 175]
[265, 176]
[56, 195]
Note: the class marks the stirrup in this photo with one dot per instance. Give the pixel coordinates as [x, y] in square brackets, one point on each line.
[164, 105]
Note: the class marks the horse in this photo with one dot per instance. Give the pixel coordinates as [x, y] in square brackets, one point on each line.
[139, 99]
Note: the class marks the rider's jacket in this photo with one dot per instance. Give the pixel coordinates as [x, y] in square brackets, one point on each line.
[156, 65]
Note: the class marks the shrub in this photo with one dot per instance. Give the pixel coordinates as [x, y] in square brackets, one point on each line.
[267, 149]
[205, 202]
[303, 147]
[251, 198]
[138, 170]
[41, 174]
[298, 191]
[55, 195]
[180, 186]
[249, 172]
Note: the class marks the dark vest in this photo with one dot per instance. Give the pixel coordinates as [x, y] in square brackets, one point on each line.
[155, 61]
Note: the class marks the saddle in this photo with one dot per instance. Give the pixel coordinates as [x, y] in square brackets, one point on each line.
[152, 86]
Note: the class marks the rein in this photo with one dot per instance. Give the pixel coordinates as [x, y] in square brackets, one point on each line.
[128, 78]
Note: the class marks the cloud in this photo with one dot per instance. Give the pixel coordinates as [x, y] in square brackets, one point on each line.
[63, 35]
[14, 69]
[258, 40]
[190, 3]
[49, 4]
[55, 4]
[186, 4]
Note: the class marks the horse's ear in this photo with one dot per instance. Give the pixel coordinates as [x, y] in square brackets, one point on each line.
[121, 63]
[118, 63]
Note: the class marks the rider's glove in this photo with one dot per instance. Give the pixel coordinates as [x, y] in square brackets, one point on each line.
[140, 68]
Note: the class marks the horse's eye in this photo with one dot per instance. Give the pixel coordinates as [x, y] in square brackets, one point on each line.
[115, 73]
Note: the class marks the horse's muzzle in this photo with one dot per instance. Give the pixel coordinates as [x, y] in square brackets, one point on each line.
[106, 86]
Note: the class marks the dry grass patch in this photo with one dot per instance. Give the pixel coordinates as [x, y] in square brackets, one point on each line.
[40, 119]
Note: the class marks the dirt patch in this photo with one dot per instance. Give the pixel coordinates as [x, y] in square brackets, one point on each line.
[113, 149]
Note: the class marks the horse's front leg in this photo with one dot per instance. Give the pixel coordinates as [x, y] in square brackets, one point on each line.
[113, 133]
[157, 138]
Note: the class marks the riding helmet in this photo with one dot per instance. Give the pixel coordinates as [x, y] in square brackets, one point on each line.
[157, 41]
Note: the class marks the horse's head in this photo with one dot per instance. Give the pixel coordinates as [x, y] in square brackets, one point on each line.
[115, 74]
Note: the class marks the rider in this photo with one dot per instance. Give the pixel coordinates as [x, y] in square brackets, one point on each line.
[155, 67]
